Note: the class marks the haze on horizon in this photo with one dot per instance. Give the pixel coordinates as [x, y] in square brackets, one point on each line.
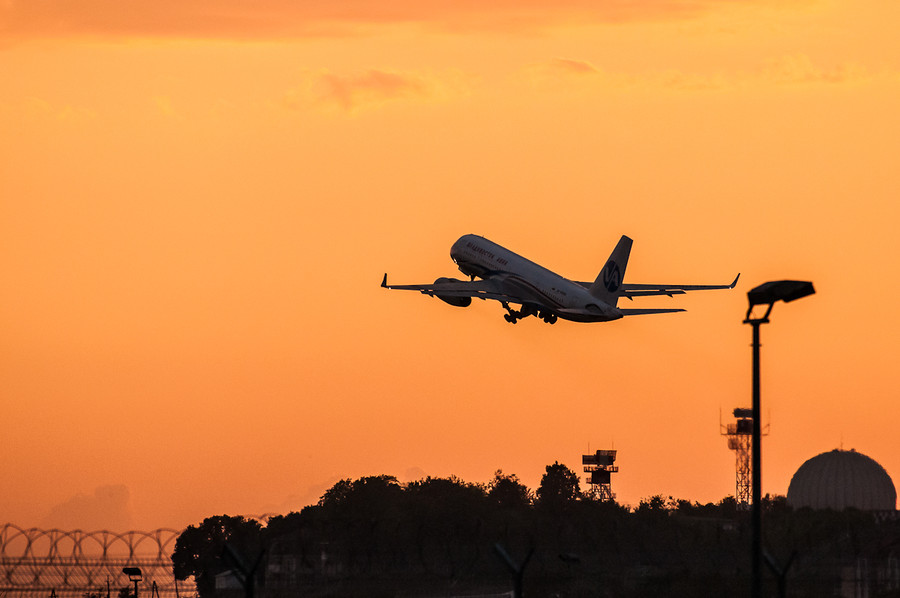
[198, 200]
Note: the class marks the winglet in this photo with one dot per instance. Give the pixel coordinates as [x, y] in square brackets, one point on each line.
[731, 286]
[384, 281]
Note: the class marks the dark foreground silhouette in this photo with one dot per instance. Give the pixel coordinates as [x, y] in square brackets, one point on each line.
[444, 537]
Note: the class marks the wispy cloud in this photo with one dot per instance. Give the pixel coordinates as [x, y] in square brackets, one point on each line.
[568, 73]
[797, 69]
[371, 87]
[34, 108]
[253, 19]
[353, 92]
[800, 68]
[575, 67]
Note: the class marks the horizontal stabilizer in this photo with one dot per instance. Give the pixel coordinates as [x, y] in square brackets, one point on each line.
[667, 289]
[631, 290]
[669, 292]
[641, 312]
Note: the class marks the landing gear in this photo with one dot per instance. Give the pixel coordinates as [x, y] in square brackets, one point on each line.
[514, 316]
[548, 316]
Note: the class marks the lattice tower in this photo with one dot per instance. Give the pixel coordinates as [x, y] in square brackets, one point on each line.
[740, 439]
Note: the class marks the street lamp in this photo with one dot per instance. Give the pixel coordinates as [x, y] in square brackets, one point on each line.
[134, 574]
[765, 294]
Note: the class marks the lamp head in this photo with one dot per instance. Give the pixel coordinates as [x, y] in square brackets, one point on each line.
[133, 573]
[777, 290]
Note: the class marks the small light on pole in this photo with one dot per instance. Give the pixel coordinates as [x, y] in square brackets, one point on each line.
[134, 574]
[767, 294]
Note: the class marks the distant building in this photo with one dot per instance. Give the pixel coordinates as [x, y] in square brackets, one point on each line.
[842, 479]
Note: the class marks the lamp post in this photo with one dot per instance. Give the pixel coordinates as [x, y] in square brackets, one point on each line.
[765, 294]
[134, 574]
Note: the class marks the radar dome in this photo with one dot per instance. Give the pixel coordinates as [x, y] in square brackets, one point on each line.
[842, 479]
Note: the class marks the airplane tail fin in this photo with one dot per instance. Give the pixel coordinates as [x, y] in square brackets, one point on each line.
[609, 281]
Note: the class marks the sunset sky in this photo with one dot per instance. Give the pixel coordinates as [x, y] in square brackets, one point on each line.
[198, 200]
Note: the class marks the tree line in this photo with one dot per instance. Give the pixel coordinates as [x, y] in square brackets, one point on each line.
[373, 536]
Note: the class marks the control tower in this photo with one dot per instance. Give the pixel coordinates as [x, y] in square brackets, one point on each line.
[600, 466]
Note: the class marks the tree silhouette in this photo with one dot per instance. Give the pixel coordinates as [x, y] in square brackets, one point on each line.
[559, 487]
[439, 536]
[506, 491]
[199, 550]
[369, 496]
[446, 515]
[655, 506]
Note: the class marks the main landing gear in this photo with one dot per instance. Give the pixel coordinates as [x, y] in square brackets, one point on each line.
[514, 316]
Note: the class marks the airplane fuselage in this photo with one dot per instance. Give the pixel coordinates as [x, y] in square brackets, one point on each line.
[477, 256]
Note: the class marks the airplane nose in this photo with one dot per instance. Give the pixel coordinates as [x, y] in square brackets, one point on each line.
[456, 249]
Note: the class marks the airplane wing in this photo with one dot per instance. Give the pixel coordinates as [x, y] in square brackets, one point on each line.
[648, 290]
[452, 288]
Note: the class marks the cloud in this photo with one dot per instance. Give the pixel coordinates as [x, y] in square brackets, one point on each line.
[566, 74]
[107, 509]
[413, 474]
[34, 108]
[353, 92]
[563, 74]
[785, 70]
[255, 19]
[799, 68]
[575, 67]
[295, 502]
[369, 88]
[311, 494]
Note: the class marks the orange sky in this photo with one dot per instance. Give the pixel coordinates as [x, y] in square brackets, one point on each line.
[198, 200]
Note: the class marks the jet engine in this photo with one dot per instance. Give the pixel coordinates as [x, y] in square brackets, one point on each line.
[452, 300]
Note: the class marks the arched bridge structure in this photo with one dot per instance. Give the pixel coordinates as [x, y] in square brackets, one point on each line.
[37, 563]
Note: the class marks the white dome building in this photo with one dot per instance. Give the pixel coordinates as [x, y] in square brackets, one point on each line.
[842, 479]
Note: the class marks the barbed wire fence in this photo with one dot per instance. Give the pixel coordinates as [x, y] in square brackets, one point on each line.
[39, 562]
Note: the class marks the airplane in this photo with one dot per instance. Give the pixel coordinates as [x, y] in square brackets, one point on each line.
[511, 279]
